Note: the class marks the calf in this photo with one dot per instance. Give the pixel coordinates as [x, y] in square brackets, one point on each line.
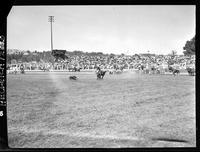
[73, 78]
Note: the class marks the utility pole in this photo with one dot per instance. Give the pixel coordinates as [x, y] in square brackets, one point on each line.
[51, 19]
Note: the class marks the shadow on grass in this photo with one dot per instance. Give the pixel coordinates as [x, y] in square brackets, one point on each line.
[170, 140]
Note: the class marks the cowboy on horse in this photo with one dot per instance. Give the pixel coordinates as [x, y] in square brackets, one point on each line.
[100, 73]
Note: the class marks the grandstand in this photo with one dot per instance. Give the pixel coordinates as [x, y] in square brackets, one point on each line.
[89, 61]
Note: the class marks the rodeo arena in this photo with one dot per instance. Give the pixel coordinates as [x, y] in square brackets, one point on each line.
[101, 100]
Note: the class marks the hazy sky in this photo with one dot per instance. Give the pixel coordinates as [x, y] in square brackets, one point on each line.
[116, 29]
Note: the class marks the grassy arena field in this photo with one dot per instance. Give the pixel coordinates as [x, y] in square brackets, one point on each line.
[47, 110]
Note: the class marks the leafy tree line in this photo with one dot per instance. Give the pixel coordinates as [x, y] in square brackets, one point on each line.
[189, 47]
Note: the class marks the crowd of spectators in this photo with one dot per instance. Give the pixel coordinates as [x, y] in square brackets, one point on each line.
[112, 62]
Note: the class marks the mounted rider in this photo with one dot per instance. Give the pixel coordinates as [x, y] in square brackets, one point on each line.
[100, 73]
[22, 69]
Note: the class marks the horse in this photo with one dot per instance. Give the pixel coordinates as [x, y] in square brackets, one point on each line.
[73, 78]
[191, 71]
[100, 73]
[174, 71]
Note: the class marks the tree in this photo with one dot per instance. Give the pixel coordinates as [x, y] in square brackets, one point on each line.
[189, 47]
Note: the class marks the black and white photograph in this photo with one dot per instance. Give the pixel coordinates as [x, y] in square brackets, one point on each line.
[101, 76]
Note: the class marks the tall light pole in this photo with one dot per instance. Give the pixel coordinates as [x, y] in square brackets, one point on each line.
[51, 19]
